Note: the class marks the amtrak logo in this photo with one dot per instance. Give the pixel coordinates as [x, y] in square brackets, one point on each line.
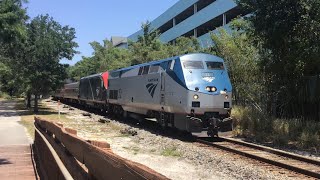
[151, 88]
[209, 79]
[208, 76]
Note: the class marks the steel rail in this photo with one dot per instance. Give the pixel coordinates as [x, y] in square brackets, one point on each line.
[266, 160]
[274, 151]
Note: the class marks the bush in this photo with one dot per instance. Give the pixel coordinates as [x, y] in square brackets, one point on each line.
[4, 95]
[250, 123]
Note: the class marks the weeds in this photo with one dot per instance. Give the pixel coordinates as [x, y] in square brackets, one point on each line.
[4, 96]
[171, 151]
[293, 133]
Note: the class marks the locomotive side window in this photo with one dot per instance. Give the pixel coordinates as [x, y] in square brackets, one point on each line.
[140, 70]
[171, 65]
[215, 65]
[113, 94]
[154, 69]
[145, 70]
[193, 65]
[115, 74]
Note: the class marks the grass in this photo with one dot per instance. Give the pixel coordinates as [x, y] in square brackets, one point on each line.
[27, 115]
[4, 96]
[288, 133]
[171, 151]
[135, 149]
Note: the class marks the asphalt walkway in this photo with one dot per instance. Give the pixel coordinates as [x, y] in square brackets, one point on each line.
[15, 153]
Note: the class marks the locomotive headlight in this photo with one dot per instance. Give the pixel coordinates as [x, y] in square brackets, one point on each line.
[223, 92]
[195, 96]
[208, 88]
[213, 89]
[227, 97]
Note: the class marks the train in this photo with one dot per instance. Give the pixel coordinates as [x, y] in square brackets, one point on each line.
[190, 92]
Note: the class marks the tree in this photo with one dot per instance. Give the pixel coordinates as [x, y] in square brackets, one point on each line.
[105, 57]
[87, 66]
[47, 43]
[288, 34]
[242, 58]
[12, 20]
[184, 45]
[110, 57]
[148, 47]
[12, 37]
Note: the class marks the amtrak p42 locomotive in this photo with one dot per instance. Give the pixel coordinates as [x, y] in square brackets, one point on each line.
[190, 92]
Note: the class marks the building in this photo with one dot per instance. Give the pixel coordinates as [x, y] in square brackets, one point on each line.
[193, 18]
[120, 42]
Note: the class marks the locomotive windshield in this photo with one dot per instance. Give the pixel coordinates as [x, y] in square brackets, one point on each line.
[215, 65]
[193, 65]
[211, 65]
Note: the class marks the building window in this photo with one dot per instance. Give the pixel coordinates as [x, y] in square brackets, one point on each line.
[210, 26]
[189, 34]
[184, 15]
[168, 25]
[235, 13]
[204, 3]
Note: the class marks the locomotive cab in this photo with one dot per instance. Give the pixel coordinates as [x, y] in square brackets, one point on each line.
[209, 92]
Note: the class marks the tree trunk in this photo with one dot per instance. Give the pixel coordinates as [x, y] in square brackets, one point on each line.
[35, 109]
[28, 100]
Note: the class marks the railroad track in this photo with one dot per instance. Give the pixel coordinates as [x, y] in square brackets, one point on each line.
[288, 161]
[295, 163]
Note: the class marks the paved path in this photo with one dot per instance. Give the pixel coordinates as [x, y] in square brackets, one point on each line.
[11, 132]
[15, 153]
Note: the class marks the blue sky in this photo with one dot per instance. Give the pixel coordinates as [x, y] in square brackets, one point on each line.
[99, 19]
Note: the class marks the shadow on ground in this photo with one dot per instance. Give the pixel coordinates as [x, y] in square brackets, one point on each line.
[4, 161]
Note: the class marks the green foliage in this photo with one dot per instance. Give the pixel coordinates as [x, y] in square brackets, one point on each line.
[110, 57]
[4, 95]
[8, 81]
[148, 47]
[87, 66]
[105, 57]
[47, 43]
[12, 19]
[12, 35]
[242, 58]
[291, 133]
[171, 151]
[287, 34]
[184, 45]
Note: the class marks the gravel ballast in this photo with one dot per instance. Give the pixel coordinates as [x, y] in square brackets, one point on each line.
[169, 156]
